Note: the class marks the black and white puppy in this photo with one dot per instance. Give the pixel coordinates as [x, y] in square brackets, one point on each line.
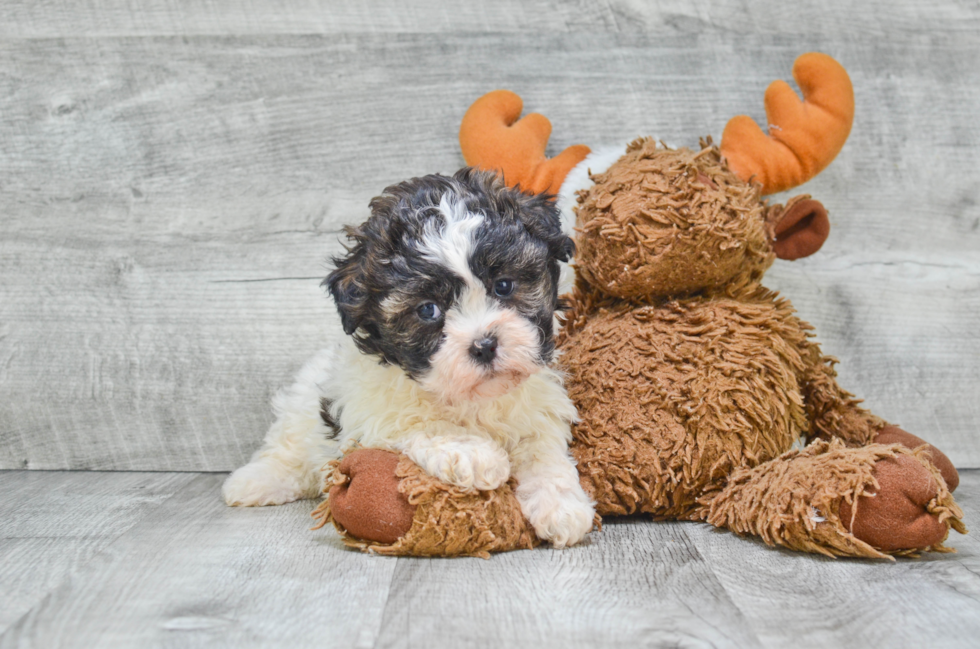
[448, 300]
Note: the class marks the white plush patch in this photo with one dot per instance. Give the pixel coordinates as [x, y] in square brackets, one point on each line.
[815, 516]
[577, 180]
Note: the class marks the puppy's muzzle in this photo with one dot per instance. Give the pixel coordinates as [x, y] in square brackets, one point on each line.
[484, 351]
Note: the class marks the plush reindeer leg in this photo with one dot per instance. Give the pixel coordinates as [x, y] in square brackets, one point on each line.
[835, 413]
[383, 502]
[873, 501]
[797, 230]
[364, 500]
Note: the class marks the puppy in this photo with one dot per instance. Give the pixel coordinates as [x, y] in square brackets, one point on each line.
[448, 299]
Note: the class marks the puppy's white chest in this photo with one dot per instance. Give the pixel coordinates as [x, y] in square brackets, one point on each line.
[377, 405]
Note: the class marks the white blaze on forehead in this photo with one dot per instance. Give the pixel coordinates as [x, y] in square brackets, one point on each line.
[452, 246]
[452, 242]
[474, 314]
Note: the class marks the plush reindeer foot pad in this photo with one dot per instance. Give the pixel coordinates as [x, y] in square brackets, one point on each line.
[382, 502]
[870, 501]
[906, 511]
[895, 435]
[364, 498]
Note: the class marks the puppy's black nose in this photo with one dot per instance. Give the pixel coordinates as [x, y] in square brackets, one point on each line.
[484, 351]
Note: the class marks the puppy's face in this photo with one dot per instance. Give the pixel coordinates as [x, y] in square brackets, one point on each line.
[455, 280]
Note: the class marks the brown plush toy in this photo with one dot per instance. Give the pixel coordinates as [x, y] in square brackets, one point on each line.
[692, 380]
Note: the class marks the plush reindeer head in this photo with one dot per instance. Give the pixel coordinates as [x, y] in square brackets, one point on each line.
[660, 222]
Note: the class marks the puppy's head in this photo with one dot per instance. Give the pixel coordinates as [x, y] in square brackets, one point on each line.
[455, 280]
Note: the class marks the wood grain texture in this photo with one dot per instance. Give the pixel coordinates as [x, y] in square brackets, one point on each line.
[192, 572]
[48, 18]
[198, 573]
[635, 584]
[932, 601]
[169, 203]
[929, 602]
[52, 524]
[151, 363]
[53, 18]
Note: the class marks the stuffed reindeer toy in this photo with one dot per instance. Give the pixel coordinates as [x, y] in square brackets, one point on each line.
[692, 380]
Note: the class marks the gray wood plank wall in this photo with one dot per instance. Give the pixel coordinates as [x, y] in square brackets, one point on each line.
[173, 179]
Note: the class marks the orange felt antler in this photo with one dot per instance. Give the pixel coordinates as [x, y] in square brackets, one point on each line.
[804, 137]
[492, 137]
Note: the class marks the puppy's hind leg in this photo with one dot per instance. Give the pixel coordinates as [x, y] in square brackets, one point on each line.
[289, 466]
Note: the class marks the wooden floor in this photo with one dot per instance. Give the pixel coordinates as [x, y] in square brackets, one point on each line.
[155, 559]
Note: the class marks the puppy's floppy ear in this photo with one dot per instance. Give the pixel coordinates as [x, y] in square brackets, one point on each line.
[542, 219]
[346, 283]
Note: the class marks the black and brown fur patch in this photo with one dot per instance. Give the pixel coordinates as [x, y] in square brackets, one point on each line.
[387, 273]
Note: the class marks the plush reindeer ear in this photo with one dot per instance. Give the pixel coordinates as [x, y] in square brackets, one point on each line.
[346, 284]
[799, 228]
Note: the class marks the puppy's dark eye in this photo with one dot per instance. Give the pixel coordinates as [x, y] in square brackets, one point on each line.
[429, 311]
[503, 287]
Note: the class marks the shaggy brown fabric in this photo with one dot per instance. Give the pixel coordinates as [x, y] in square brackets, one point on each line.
[690, 377]
[448, 521]
[674, 397]
[670, 222]
[796, 501]
[676, 394]
[895, 435]
[833, 412]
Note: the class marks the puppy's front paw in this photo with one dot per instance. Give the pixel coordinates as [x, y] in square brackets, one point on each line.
[561, 517]
[477, 464]
[260, 483]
